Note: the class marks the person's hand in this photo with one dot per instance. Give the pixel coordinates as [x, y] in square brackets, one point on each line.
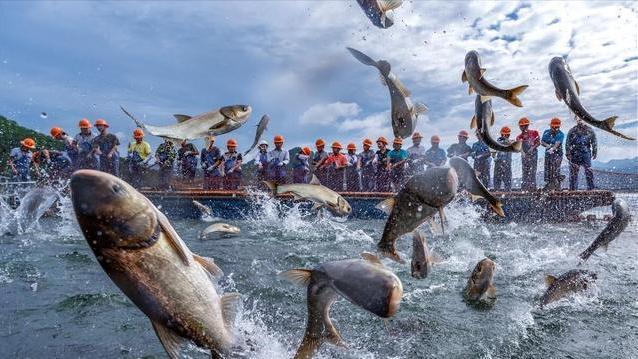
[593, 157]
[110, 155]
[280, 164]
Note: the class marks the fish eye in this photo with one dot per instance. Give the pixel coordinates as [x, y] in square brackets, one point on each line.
[244, 108]
[116, 188]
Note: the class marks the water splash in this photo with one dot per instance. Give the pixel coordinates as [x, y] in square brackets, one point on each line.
[33, 205]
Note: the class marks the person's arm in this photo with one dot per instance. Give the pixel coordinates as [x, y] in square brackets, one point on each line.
[449, 151]
[114, 149]
[594, 145]
[286, 159]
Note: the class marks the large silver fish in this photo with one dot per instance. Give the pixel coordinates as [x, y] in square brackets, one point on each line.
[467, 177]
[140, 251]
[422, 258]
[573, 281]
[321, 196]
[404, 114]
[211, 123]
[613, 229]
[482, 120]
[219, 230]
[380, 12]
[474, 75]
[261, 127]
[421, 198]
[480, 287]
[567, 90]
[365, 282]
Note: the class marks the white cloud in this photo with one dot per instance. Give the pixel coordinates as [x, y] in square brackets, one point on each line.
[329, 114]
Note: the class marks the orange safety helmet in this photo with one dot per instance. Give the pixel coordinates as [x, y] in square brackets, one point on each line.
[336, 145]
[367, 142]
[435, 139]
[56, 131]
[464, 133]
[398, 141]
[416, 135]
[279, 139]
[555, 122]
[352, 146]
[28, 143]
[505, 130]
[523, 121]
[306, 151]
[84, 123]
[138, 133]
[101, 122]
[320, 143]
[382, 140]
[231, 143]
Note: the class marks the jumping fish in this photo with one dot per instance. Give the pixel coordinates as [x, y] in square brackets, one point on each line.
[567, 90]
[211, 123]
[261, 127]
[480, 287]
[575, 280]
[422, 259]
[221, 230]
[365, 282]
[616, 225]
[404, 113]
[144, 256]
[380, 12]
[206, 211]
[474, 75]
[321, 196]
[422, 197]
[467, 177]
[482, 120]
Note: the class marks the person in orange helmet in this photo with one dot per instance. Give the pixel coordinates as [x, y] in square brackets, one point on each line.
[211, 162]
[21, 160]
[165, 155]
[460, 149]
[416, 156]
[435, 155]
[301, 166]
[335, 166]
[139, 152]
[398, 159]
[353, 182]
[262, 164]
[87, 158]
[382, 164]
[70, 147]
[482, 160]
[552, 140]
[232, 166]
[529, 154]
[366, 166]
[105, 147]
[503, 163]
[187, 160]
[278, 159]
[318, 159]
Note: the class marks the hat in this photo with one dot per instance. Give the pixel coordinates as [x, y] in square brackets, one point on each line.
[397, 141]
[320, 143]
[336, 145]
[279, 139]
[464, 133]
[101, 122]
[352, 146]
[416, 135]
[523, 121]
[28, 143]
[367, 142]
[84, 123]
[505, 130]
[555, 122]
[262, 143]
[382, 140]
[56, 131]
[306, 151]
[231, 143]
[138, 133]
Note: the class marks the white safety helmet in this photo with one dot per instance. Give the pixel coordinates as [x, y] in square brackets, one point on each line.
[262, 142]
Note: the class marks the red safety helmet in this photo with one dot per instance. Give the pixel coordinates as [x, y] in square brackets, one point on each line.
[138, 133]
[505, 130]
[398, 141]
[320, 143]
[336, 145]
[231, 143]
[101, 122]
[352, 146]
[84, 123]
[56, 131]
[382, 140]
[279, 139]
[555, 122]
[28, 143]
[367, 142]
[523, 121]
[306, 151]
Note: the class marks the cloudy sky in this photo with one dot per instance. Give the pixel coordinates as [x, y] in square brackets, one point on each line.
[288, 59]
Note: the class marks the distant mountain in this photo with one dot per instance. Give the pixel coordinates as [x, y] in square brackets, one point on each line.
[629, 165]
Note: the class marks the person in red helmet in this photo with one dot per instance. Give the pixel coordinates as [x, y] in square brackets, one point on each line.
[335, 166]
[382, 164]
[84, 141]
[278, 159]
[552, 140]
[416, 153]
[105, 146]
[301, 166]
[460, 149]
[366, 166]
[231, 162]
[529, 154]
[353, 181]
[398, 159]
[435, 155]
[70, 147]
[317, 160]
[21, 160]
[503, 163]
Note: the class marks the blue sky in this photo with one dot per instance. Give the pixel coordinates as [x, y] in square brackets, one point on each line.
[288, 59]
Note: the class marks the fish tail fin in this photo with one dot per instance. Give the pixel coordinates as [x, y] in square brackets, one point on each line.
[517, 146]
[512, 95]
[272, 186]
[388, 250]
[363, 58]
[309, 346]
[299, 276]
[497, 207]
[610, 122]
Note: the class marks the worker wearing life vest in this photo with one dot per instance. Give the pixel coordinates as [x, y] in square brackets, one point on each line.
[353, 182]
[187, 160]
[317, 161]
[87, 158]
[398, 158]
[21, 160]
[165, 157]
[416, 156]
[301, 167]
[262, 162]
[232, 166]
[581, 147]
[460, 149]
[529, 154]
[105, 147]
[70, 147]
[482, 161]
[503, 163]
[552, 140]
[435, 156]
[139, 152]
[335, 166]
[367, 167]
[278, 159]
[382, 164]
[211, 162]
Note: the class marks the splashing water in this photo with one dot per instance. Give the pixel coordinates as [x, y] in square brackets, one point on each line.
[32, 206]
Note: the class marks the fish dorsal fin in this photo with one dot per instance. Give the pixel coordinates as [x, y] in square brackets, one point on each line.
[483, 70]
[473, 122]
[577, 87]
[182, 118]
[209, 265]
[170, 341]
[549, 279]
[419, 108]
[230, 308]
[493, 119]
[315, 181]
[484, 99]
[172, 236]
[463, 77]
[386, 205]
[470, 90]
[386, 5]
[298, 276]
[367, 256]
